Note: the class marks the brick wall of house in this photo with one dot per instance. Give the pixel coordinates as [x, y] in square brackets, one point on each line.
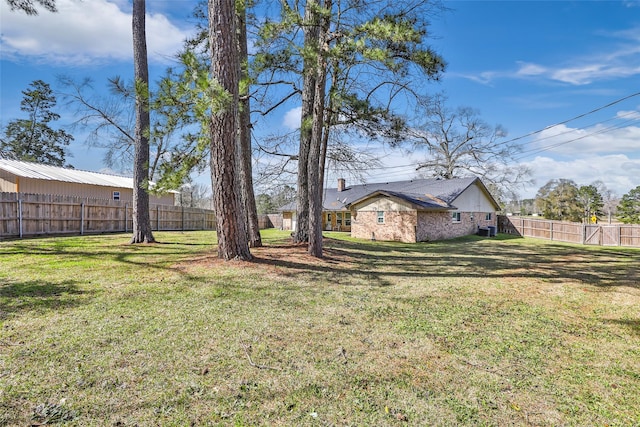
[412, 226]
[440, 225]
[481, 221]
[398, 226]
[437, 226]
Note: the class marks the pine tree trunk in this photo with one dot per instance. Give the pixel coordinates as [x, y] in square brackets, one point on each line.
[308, 91]
[328, 121]
[314, 167]
[244, 136]
[225, 181]
[142, 232]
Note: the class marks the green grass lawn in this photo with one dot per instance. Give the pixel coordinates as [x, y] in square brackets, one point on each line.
[473, 331]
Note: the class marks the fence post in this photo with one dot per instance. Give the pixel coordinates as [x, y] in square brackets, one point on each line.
[82, 218]
[158, 217]
[619, 235]
[551, 229]
[182, 218]
[126, 219]
[20, 217]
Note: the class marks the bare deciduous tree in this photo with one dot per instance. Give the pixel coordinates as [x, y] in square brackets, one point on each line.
[459, 143]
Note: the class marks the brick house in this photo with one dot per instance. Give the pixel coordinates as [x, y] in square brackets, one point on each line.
[407, 211]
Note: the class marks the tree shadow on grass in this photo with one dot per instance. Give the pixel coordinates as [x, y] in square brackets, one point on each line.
[16, 297]
[384, 263]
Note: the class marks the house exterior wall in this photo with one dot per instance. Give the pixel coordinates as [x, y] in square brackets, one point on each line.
[336, 220]
[400, 220]
[329, 220]
[480, 219]
[287, 220]
[473, 199]
[399, 225]
[38, 186]
[441, 226]
[437, 226]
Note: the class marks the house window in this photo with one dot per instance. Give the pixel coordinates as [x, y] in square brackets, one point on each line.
[487, 217]
[116, 195]
[339, 218]
[455, 216]
[347, 219]
[380, 217]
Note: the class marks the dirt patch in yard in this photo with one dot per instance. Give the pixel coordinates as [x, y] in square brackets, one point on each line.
[280, 259]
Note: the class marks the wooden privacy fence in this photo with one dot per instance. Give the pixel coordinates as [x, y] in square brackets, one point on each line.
[270, 221]
[572, 232]
[24, 215]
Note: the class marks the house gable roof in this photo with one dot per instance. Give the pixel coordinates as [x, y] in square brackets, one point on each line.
[421, 190]
[419, 201]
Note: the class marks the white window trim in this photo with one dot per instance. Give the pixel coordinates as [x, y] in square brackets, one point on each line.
[378, 217]
[456, 217]
[116, 195]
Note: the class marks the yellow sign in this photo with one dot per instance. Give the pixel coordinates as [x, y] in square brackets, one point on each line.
[594, 219]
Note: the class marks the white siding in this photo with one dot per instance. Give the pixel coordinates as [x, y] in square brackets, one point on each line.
[473, 199]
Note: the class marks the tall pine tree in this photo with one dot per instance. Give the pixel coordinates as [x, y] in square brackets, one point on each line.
[32, 138]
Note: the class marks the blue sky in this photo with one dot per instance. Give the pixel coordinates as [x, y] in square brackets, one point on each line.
[524, 65]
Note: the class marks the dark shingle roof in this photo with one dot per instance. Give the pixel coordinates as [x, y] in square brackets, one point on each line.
[424, 201]
[426, 193]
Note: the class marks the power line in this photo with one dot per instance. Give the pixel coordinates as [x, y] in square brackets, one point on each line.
[631, 113]
[413, 166]
[549, 147]
[595, 110]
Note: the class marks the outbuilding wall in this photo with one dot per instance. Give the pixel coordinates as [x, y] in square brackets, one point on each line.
[7, 182]
[12, 184]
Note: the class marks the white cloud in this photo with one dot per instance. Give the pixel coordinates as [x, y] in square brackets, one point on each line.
[589, 73]
[598, 139]
[83, 33]
[618, 172]
[632, 114]
[527, 69]
[292, 118]
[621, 59]
[485, 77]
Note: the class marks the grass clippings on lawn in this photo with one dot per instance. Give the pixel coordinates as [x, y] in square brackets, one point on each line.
[472, 331]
